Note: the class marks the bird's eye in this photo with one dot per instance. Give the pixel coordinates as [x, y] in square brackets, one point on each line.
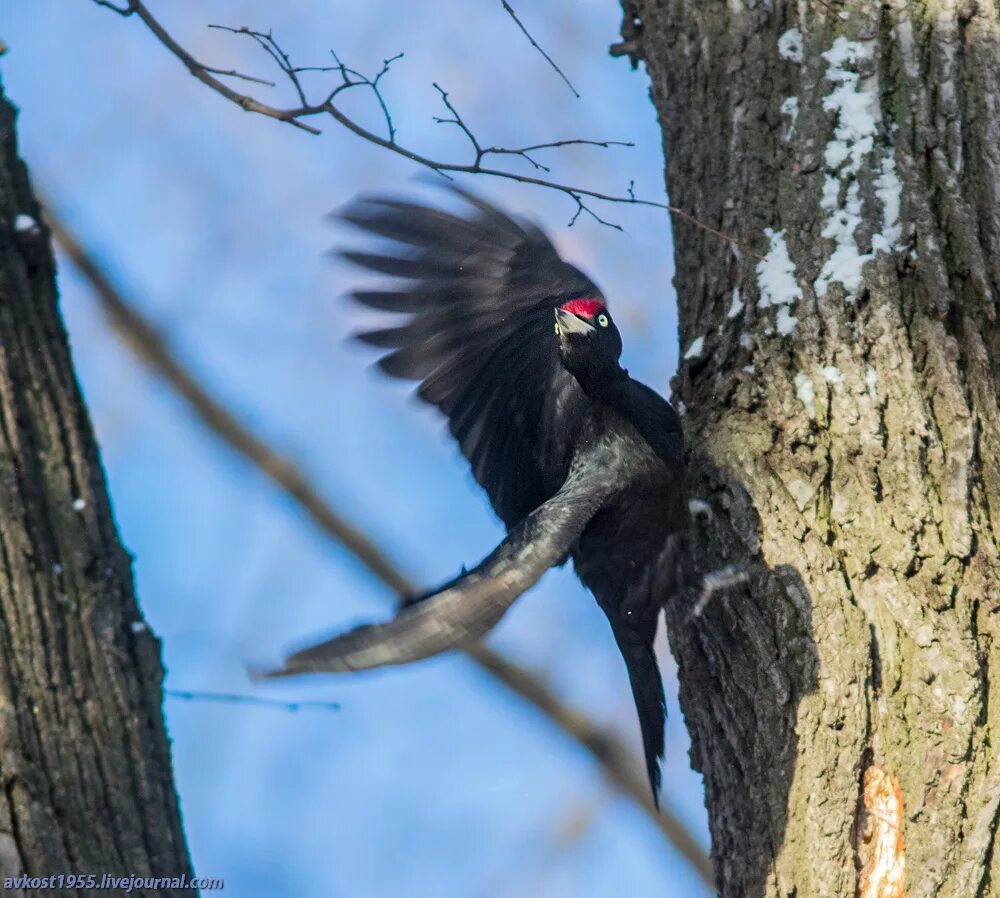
[602, 320]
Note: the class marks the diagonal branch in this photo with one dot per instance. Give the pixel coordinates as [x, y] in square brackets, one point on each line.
[298, 115]
[534, 43]
[615, 759]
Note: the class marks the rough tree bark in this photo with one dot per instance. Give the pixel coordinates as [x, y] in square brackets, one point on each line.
[85, 766]
[843, 419]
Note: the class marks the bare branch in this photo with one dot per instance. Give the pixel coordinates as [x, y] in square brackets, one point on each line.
[350, 77]
[295, 116]
[534, 44]
[125, 10]
[233, 698]
[583, 207]
[525, 151]
[456, 119]
[268, 44]
[232, 73]
[204, 73]
[618, 763]
[567, 143]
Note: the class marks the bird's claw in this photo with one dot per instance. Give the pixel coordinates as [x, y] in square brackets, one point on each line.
[716, 581]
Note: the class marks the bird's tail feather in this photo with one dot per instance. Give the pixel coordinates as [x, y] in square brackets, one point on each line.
[647, 690]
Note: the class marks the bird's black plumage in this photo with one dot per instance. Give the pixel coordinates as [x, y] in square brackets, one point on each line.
[480, 293]
[517, 348]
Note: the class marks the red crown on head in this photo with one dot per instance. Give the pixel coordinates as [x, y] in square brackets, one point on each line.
[585, 308]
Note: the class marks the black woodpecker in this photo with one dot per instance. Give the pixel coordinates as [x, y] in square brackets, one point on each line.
[519, 351]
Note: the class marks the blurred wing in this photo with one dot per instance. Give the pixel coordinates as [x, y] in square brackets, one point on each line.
[479, 292]
[467, 608]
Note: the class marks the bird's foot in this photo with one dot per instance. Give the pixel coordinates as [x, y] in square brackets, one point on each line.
[700, 510]
[716, 581]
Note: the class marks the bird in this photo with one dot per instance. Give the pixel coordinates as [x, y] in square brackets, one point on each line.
[519, 351]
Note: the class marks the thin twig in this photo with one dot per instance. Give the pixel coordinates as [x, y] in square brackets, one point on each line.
[534, 44]
[618, 763]
[294, 116]
[567, 143]
[456, 119]
[232, 73]
[233, 698]
[125, 10]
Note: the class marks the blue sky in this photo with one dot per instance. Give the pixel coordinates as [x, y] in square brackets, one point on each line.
[431, 780]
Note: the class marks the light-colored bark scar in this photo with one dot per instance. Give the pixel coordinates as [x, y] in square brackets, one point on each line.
[880, 848]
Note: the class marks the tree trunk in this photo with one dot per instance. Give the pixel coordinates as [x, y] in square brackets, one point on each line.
[843, 422]
[84, 758]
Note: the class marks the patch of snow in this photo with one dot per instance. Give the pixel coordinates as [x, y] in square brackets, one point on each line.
[57, 569]
[786, 322]
[24, 223]
[806, 394]
[846, 261]
[746, 341]
[776, 273]
[889, 190]
[737, 304]
[749, 369]
[681, 407]
[831, 374]
[855, 103]
[790, 45]
[695, 349]
[776, 282]
[856, 109]
[138, 626]
[79, 504]
[790, 108]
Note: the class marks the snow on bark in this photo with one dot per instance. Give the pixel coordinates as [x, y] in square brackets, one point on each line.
[777, 283]
[806, 393]
[790, 108]
[695, 349]
[24, 222]
[786, 322]
[737, 304]
[790, 45]
[854, 101]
